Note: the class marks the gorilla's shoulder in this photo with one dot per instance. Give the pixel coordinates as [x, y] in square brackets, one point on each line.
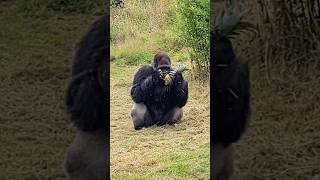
[145, 70]
[147, 67]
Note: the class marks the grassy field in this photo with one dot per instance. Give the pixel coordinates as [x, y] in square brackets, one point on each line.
[167, 152]
[35, 61]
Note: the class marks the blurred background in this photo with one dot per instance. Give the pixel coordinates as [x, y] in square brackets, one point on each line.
[36, 46]
[282, 141]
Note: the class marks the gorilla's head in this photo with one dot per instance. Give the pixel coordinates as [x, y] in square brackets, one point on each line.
[161, 61]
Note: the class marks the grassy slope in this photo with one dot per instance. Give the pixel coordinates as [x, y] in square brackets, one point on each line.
[35, 59]
[168, 152]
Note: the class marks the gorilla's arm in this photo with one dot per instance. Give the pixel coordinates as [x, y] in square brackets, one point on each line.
[180, 90]
[232, 108]
[143, 83]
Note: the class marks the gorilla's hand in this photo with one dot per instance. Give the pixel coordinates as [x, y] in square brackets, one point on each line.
[177, 78]
[172, 74]
[162, 74]
[167, 76]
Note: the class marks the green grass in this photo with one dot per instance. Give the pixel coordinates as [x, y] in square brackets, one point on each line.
[133, 58]
[183, 164]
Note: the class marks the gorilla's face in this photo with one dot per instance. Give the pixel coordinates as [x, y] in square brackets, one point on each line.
[161, 61]
[164, 61]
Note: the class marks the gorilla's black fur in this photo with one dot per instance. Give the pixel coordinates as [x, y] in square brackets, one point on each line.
[148, 88]
[230, 104]
[87, 101]
[87, 95]
[231, 93]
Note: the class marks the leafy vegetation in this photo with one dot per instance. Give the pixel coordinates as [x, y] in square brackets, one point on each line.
[195, 32]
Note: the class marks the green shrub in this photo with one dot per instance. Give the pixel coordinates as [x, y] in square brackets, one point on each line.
[194, 25]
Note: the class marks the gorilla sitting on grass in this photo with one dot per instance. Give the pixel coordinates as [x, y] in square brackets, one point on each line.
[159, 93]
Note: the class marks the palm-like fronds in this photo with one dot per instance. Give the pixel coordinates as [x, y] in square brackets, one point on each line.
[230, 22]
[181, 68]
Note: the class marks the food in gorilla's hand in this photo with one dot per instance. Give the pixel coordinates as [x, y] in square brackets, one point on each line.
[169, 76]
[167, 80]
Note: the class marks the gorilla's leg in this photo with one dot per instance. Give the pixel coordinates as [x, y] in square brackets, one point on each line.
[86, 158]
[222, 162]
[173, 116]
[141, 116]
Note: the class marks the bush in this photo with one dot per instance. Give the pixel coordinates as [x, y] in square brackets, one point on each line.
[194, 24]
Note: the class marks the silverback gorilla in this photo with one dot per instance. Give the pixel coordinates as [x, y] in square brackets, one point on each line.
[86, 101]
[231, 101]
[156, 101]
